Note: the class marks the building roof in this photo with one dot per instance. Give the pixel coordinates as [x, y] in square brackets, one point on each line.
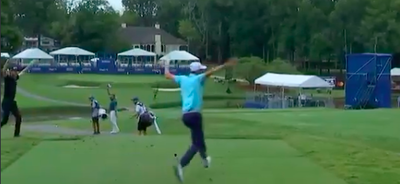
[145, 35]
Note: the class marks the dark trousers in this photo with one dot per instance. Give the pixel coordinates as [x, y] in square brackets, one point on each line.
[145, 121]
[194, 121]
[10, 106]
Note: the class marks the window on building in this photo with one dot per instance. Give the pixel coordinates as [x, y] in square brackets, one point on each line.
[162, 48]
[148, 47]
[152, 48]
[183, 47]
[137, 46]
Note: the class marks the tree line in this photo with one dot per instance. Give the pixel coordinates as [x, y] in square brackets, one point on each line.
[293, 30]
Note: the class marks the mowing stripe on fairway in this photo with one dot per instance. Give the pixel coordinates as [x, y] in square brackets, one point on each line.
[127, 160]
[42, 98]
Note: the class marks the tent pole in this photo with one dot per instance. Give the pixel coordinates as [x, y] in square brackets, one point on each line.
[283, 95]
[299, 98]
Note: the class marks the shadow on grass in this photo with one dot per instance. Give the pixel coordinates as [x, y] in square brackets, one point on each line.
[63, 139]
[35, 114]
[246, 137]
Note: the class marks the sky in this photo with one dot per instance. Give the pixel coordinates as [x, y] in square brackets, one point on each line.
[116, 4]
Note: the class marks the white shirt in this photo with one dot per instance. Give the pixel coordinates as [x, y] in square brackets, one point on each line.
[140, 109]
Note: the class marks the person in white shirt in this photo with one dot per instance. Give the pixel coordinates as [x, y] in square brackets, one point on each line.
[145, 120]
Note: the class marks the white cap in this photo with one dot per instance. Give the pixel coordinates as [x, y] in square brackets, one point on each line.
[196, 66]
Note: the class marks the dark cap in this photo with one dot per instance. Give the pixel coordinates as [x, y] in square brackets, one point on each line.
[13, 68]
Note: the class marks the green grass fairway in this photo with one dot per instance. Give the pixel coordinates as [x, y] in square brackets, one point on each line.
[283, 146]
[125, 160]
[358, 146]
[12, 149]
[124, 86]
[138, 79]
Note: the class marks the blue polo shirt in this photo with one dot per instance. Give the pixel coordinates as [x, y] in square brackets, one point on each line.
[191, 91]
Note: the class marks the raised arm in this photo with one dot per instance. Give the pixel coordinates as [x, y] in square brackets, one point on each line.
[230, 62]
[167, 74]
[109, 89]
[23, 71]
[4, 73]
[27, 67]
[4, 67]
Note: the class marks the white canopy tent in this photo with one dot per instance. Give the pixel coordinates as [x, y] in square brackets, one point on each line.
[179, 55]
[73, 56]
[136, 52]
[5, 55]
[72, 51]
[293, 81]
[33, 53]
[395, 72]
[137, 57]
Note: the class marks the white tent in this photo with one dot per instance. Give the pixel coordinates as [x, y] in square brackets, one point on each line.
[5, 55]
[136, 52]
[72, 51]
[179, 55]
[395, 72]
[33, 53]
[296, 81]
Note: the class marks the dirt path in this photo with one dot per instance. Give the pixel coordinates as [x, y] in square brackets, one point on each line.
[56, 130]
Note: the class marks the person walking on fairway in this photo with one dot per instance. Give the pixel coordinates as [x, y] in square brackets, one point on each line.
[192, 101]
[9, 104]
[95, 106]
[142, 114]
[113, 111]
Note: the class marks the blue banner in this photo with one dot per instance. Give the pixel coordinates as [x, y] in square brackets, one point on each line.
[106, 67]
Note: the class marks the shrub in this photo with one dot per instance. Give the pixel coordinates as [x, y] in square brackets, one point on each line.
[207, 104]
[165, 105]
[83, 83]
[281, 66]
[215, 101]
[164, 84]
[250, 68]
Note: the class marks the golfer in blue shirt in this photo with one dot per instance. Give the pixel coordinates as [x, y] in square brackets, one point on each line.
[192, 101]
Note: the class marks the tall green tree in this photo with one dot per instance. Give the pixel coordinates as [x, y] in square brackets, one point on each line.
[11, 37]
[36, 17]
[94, 25]
[145, 9]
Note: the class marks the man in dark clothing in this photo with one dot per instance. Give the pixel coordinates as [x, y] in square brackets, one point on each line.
[9, 105]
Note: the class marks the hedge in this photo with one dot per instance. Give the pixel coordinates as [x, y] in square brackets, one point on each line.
[103, 84]
[164, 84]
[55, 110]
[207, 104]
